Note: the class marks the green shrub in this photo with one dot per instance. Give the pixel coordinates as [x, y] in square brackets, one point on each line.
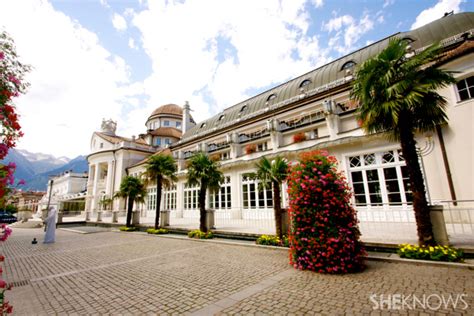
[200, 235]
[128, 229]
[436, 253]
[271, 240]
[158, 231]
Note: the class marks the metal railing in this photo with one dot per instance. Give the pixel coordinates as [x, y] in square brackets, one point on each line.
[459, 218]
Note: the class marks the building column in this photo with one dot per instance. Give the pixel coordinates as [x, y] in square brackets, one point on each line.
[236, 194]
[108, 184]
[94, 189]
[179, 199]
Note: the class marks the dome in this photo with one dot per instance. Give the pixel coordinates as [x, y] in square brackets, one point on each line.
[168, 109]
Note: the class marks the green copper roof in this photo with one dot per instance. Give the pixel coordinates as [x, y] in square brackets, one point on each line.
[331, 74]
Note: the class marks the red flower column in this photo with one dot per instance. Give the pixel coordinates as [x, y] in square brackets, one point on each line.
[324, 235]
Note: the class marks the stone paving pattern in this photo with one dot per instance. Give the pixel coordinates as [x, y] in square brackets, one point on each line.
[134, 273]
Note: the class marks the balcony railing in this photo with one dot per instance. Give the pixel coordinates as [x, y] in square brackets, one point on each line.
[301, 121]
[217, 146]
[247, 137]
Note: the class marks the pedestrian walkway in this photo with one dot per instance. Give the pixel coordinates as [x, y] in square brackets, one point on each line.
[135, 273]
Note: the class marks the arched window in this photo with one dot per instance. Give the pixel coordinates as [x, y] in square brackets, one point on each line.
[348, 65]
[271, 97]
[304, 83]
[242, 109]
[221, 117]
[203, 125]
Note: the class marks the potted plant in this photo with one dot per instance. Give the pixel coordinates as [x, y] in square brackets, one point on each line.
[250, 148]
[299, 137]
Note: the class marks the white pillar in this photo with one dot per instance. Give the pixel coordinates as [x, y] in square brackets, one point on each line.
[236, 194]
[94, 190]
[108, 185]
[179, 199]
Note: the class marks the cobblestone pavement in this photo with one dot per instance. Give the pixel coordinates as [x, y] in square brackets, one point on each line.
[133, 273]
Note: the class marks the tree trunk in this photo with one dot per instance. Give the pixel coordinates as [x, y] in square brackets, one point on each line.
[202, 208]
[277, 209]
[159, 182]
[420, 205]
[129, 211]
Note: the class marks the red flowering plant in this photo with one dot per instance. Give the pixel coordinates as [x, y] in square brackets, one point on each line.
[324, 236]
[299, 137]
[5, 307]
[250, 148]
[12, 73]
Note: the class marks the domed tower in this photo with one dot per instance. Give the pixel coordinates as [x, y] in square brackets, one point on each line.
[164, 125]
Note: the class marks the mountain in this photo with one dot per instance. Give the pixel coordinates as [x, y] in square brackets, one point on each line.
[40, 181]
[35, 168]
[42, 162]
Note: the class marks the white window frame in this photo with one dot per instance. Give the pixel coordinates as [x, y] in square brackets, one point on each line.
[222, 197]
[151, 199]
[379, 166]
[458, 96]
[247, 181]
[169, 198]
[191, 195]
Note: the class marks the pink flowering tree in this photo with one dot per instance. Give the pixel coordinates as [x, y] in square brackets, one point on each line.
[12, 84]
[324, 236]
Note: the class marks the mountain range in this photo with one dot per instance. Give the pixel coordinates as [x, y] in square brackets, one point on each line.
[35, 168]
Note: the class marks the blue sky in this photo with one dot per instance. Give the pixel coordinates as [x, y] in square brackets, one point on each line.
[121, 59]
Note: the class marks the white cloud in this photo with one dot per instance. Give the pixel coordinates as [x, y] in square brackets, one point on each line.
[119, 22]
[388, 3]
[263, 45]
[75, 81]
[436, 12]
[317, 3]
[131, 43]
[348, 28]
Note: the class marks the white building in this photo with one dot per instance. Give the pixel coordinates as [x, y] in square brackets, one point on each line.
[64, 190]
[316, 107]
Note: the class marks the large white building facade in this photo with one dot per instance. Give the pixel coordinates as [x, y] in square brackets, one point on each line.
[313, 111]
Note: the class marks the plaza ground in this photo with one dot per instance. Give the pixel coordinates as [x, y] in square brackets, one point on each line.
[133, 273]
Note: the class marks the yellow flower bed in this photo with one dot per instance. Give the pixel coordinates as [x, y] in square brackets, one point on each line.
[436, 253]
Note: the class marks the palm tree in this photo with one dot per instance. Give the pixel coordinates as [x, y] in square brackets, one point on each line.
[397, 96]
[204, 171]
[132, 189]
[162, 169]
[272, 174]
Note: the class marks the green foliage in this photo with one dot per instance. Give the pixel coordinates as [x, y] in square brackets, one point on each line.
[161, 166]
[128, 229]
[200, 235]
[204, 171]
[391, 87]
[271, 240]
[435, 253]
[159, 231]
[11, 209]
[132, 187]
[271, 171]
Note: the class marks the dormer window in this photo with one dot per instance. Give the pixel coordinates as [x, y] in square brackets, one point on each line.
[242, 109]
[304, 83]
[348, 65]
[221, 117]
[408, 40]
[203, 125]
[271, 97]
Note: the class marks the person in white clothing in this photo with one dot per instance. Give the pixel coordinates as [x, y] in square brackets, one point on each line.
[50, 223]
